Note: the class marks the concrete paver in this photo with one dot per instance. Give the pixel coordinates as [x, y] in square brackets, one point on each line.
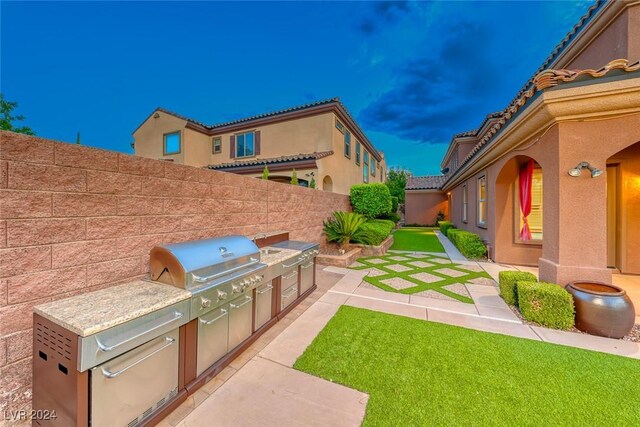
[265, 393]
[387, 307]
[481, 324]
[589, 342]
[377, 293]
[455, 306]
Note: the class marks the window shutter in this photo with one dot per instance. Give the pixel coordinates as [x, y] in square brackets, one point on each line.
[257, 142]
[232, 146]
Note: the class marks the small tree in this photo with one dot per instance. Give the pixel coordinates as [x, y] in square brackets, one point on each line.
[7, 119]
[397, 181]
[294, 177]
[78, 139]
[312, 183]
[265, 172]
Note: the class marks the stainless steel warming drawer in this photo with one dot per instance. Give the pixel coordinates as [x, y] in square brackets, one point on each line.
[306, 276]
[264, 296]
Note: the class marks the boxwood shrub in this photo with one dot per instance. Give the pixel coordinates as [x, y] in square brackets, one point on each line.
[508, 281]
[469, 244]
[371, 200]
[445, 226]
[546, 303]
[377, 230]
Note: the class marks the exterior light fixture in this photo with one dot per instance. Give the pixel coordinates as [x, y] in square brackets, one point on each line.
[577, 171]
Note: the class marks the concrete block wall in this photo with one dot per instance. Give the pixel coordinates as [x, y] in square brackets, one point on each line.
[75, 219]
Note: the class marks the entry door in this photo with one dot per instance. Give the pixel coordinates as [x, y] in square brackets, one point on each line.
[612, 216]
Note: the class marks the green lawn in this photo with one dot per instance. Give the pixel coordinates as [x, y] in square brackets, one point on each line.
[419, 239]
[421, 373]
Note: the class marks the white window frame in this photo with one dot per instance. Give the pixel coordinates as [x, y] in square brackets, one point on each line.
[482, 203]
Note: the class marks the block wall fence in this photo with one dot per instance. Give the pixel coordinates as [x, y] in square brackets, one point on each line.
[75, 219]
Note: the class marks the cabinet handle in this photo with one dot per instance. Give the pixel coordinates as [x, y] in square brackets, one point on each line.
[176, 315]
[265, 290]
[308, 265]
[290, 276]
[107, 373]
[208, 322]
[291, 292]
[248, 300]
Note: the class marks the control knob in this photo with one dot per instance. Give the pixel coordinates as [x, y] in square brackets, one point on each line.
[205, 302]
[237, 288]
[222, 295]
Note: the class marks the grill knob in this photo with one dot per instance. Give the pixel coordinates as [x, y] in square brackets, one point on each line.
[222, 295]
[246, 283]
[237, 288]
[205, 302]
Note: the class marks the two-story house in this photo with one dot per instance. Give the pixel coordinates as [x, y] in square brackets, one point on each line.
[321, 141]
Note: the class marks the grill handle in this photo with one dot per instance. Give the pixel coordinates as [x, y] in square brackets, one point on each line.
[202, 279]
[209, 322]
[291, 265]
[107, 373]
[247, 301]
[176, 315]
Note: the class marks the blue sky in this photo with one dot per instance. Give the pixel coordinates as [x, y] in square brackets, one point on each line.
[412, 74]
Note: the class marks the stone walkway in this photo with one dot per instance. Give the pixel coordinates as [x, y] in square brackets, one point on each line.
[260, 387]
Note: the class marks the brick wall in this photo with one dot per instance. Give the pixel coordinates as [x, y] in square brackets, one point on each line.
[75, 219]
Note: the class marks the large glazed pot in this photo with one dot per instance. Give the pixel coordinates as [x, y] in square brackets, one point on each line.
[602, 309]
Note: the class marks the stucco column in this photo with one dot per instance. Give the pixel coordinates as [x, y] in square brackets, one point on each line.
[575, 216]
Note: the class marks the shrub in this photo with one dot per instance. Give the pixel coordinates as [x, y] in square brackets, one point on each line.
[371, 200]
[508, 281]
[294, 177]
[265, 172]
[345, 227]
[546, 303]
[440, 217]
[377, 229]
[394, 204]
[469, 244]
[445, 226]
[391, 217]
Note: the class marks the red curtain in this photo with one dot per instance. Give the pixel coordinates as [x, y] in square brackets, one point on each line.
[526, 180]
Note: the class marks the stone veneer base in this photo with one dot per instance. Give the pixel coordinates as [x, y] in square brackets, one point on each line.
[379, 250]
[344, 260]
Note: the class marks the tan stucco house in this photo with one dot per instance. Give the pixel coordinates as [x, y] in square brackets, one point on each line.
[554, 179]
[321, 141]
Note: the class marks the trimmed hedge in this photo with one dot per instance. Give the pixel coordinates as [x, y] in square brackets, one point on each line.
[371, 200]
[469, 244]
[508, 281]
[377, 230]
[391, 217]
[546, 303]
[445, 226]
[394, 204]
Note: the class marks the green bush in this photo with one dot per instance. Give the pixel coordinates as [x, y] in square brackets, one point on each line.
[371, 200]
[469, 244]
[394, 204]
[391, 217]
[346, 227]
[546, 303]
[508, 281]
[445, 226]
[377, 229]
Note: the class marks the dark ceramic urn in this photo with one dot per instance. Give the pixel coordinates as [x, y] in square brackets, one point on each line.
[601, 309]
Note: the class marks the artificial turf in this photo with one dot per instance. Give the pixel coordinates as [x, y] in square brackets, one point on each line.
[421, 373]
[416, 239]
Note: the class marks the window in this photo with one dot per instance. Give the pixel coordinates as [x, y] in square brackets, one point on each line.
[172, 143]
[482, 201]
[245, 144]
[357, 153]
[347, 144]
[464, 204]
[535, 216]
[217, 145]
[339, 126]
[365, 170]
[373, 166]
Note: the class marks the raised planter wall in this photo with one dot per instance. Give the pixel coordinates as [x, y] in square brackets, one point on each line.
[340, 260]
[75, 219]
[379, 250]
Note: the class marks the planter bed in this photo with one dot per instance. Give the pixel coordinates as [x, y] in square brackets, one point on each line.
[378, 250]
[344, 260]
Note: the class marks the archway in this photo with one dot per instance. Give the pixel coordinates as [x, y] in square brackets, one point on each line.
[327, 183]
[623, 208]
[519, 210]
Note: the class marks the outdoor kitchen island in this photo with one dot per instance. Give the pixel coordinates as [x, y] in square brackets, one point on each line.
[130, 354]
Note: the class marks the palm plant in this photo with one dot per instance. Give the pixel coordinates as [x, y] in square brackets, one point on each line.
[346, 227]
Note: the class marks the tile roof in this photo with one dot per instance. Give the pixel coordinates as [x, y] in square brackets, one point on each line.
[271, 160]
[429, 182]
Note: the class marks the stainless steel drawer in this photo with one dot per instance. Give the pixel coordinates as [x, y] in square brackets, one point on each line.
[306, 276]
[289, 278]
[240, 312]
[264, 295]
[135, 384]
[289, 295]
[98, 348]
[213, 337]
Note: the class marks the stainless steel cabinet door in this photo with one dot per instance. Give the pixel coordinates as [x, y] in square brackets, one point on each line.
[306, 276]
[240, 312]
[264, 295]
[289, 295]
[213, 335]
[136, 383]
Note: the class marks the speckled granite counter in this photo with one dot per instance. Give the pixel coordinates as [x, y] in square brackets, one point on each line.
[93, 312]
[278, 256]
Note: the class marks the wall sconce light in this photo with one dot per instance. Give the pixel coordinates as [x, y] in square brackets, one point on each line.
[577, 171]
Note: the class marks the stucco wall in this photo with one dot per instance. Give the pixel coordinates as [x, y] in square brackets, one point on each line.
[422, 207]
[149, 140]
[75, 219]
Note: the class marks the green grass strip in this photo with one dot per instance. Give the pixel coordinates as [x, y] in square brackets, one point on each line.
[416, 239]
[420, 373]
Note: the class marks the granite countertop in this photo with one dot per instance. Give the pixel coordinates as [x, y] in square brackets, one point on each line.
[279, 256]
[266, 235]
[93, 312]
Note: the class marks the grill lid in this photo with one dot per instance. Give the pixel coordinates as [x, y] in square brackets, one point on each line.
[190, 264]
